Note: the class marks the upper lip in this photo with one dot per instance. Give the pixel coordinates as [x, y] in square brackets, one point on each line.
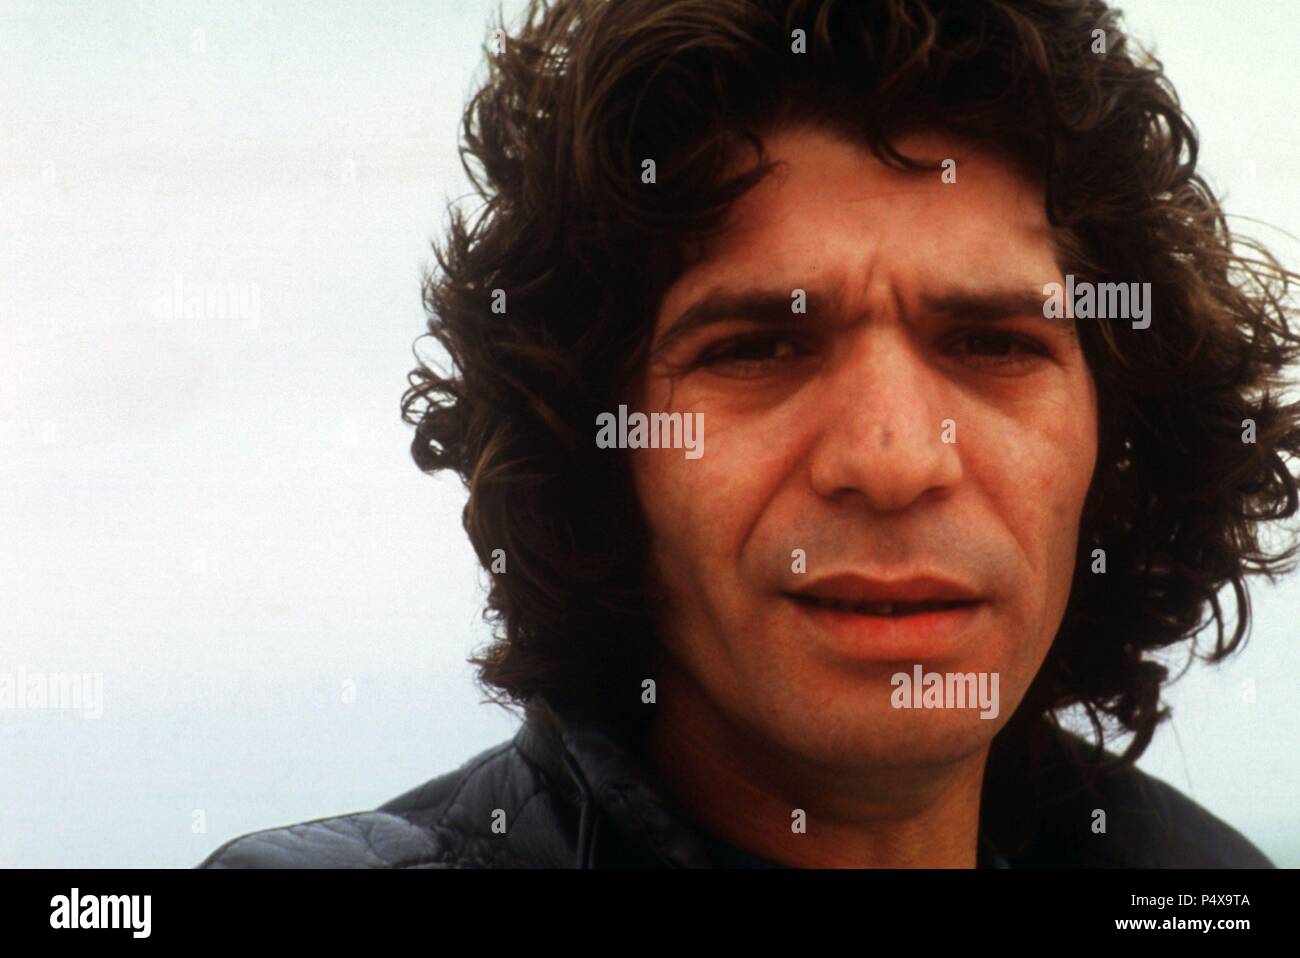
[916, 588]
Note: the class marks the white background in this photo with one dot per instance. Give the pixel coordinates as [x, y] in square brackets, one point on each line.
[221, 515]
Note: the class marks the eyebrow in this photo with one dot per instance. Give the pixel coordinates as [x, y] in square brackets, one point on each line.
[773, 308]
[991, 306]
[766, 307]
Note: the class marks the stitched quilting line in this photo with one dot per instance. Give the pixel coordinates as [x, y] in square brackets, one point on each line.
[441, 826]
[502, 846]
[613, 788]
[469, 775]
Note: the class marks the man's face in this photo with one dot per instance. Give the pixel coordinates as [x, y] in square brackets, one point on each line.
[920, 419]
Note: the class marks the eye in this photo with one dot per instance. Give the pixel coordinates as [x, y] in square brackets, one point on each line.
[747, 355]
[997, 349]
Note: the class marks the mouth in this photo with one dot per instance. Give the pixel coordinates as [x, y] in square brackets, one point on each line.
[884, 628]
[886, 609]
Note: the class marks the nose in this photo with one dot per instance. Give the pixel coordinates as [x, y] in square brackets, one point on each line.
[884, 434]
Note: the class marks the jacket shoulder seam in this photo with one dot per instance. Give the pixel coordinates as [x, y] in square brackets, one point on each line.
[433, 853]
[454, 838]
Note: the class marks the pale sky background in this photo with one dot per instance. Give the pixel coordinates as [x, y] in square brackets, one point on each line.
[221, 515]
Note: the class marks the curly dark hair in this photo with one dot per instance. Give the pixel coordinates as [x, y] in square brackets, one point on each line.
[585, 89]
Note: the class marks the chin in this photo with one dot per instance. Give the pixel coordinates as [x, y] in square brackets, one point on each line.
[887, 737]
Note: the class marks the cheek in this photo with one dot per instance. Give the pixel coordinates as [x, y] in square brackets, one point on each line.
[1073, 448]
[1041, 478]
[1042, 484]
[700, 511]
[685, 504]
[1056, 497]
[691, 510]
[1064, 474]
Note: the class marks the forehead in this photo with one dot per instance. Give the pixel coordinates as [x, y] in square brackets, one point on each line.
[831, 214]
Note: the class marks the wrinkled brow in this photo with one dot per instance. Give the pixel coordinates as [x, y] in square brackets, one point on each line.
[773, 307]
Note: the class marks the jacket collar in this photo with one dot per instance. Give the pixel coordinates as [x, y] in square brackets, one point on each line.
[613, 788]
[620, 805]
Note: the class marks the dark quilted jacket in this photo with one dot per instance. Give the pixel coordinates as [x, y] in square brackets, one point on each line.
[574, 796]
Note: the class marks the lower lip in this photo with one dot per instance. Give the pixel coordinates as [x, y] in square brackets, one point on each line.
[890, 638]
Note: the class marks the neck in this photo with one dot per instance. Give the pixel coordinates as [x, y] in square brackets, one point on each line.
[742, 791]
